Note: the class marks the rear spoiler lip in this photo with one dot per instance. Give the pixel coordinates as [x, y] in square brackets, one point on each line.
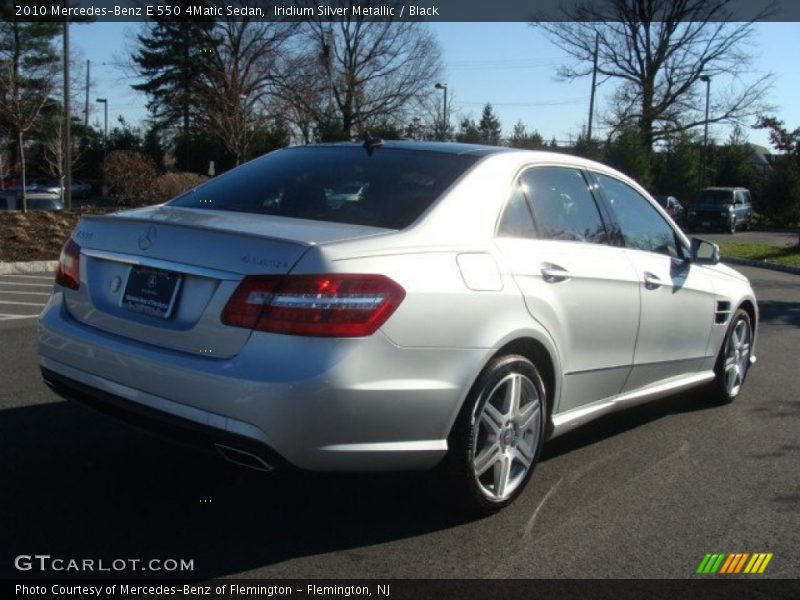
[373, 231]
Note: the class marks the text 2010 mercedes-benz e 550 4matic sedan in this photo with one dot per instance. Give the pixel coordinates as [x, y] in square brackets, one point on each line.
[394, 305]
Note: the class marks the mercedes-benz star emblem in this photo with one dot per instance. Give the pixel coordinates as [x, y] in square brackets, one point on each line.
[148, 238]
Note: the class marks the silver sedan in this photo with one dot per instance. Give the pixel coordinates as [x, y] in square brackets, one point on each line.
[468, 304]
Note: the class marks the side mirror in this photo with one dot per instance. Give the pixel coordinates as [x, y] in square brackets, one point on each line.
[704, 252]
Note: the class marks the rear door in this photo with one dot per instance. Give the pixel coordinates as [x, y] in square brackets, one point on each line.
[677, 300]
[578, 285]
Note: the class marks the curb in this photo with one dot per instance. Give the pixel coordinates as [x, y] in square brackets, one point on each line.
[761, 265]
[36, 266]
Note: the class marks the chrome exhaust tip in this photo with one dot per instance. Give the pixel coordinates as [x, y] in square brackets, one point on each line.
[243, 458]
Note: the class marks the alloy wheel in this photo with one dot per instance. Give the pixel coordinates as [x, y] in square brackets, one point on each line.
[737, 357]
[506, 436]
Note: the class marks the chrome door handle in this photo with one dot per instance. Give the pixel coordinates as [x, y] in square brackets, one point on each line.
[651, 282]
[553, 273]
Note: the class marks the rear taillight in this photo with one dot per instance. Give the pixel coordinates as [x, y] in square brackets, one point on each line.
[69, 266]
[314, 305]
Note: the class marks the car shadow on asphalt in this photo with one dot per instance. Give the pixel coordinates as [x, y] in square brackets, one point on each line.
[78, 484]
[619, 422]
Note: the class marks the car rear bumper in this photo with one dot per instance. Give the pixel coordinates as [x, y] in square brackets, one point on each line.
[316, 403]
[167, 420]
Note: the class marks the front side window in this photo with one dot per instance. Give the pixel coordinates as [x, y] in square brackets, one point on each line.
[642, 227]
[563, 206]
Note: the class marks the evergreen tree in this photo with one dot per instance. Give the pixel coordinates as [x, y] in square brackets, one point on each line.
[733, 165]
[628, 153]
[520, 138]
[676, 170]
[591, 149]
[152, 147]
[124, 136]
[28, 65]
[489, 127]
[171, 58]
[468, 132]
[781, 198]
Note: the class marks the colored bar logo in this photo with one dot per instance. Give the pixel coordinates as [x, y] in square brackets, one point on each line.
[735, 562]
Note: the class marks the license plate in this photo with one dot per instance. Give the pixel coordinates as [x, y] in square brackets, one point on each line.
[151, 291]
[706, 224]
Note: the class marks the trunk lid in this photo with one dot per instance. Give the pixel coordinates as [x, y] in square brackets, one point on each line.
[162, 275]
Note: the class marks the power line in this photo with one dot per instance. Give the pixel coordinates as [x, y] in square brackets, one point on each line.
[565, 102]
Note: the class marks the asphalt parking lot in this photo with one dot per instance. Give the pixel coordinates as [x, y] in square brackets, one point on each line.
[24, 296]
[640, 494]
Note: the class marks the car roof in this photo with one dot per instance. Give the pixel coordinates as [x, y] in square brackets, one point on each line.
[722, 189]
[442, 147]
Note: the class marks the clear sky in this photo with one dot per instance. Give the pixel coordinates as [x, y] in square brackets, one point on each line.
[510, 65]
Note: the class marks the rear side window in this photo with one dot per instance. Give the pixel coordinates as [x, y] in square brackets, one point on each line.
[343, 184]
[642, 226]
[563, 206]
[516, 221]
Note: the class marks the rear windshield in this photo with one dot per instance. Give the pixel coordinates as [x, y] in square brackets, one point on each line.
[714, 197]
[390, 188]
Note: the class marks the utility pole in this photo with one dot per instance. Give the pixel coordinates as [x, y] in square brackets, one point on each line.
[67, 123]
[86, 105]
[704, 166]
[594, 84]
[445, 116]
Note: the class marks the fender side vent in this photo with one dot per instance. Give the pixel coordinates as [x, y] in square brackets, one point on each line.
[723, 312]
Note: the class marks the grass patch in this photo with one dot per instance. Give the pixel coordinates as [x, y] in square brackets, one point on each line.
[782, 255]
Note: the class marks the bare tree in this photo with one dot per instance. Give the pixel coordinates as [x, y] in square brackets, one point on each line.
[236, 88]
[53, 144]
[5, 164]
[371, 71]
[303, 93]
[658, 50]
[28, 66]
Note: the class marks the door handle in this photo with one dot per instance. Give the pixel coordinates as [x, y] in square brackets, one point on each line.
[651, 282]
[554, 274]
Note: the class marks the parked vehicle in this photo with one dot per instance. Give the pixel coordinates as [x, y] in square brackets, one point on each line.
[469, 304]
[726, 208]
[78, 188]
[12, 200]
[673, 207]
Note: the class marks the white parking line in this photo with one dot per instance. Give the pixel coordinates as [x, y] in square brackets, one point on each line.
[26, 293]
[14, 317]
[43, 277]
[44, 285]
[21, 303]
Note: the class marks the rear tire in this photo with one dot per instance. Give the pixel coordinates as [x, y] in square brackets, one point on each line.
[733, 361]
[497, 439]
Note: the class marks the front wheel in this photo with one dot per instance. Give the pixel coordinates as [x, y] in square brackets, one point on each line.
[733, 361]
[499, 434]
